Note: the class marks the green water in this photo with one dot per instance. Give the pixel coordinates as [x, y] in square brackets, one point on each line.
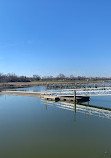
[31, 128]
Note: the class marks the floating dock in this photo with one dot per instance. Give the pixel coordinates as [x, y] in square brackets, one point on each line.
[67, 98]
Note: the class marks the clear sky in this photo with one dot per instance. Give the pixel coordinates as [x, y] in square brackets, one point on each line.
[48, 37]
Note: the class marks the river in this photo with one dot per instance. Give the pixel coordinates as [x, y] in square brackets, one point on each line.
[33, 128]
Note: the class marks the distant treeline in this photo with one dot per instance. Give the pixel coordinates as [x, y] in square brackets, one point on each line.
[4, 78]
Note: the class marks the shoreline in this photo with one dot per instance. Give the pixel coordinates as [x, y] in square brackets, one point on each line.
[21, 93]
[12, 85]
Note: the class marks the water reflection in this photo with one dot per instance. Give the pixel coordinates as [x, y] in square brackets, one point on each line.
[31, 127]
[79, 108]
[30, 89]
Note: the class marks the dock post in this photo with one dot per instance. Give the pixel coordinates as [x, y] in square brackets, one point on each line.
[74, 95]
[75, 100]
[87, 92]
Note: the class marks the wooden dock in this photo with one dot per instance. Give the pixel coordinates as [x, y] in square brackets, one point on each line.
[67, 98]
[52, 98]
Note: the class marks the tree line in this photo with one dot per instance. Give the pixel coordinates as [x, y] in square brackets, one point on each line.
[11, 77]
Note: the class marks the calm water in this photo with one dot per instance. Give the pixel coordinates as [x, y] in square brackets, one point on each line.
[33, 128]
[104, 101]
[32, 89]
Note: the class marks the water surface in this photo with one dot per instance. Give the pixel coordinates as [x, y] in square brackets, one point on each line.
[31, 128]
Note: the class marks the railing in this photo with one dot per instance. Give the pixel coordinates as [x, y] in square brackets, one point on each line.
[82, 91]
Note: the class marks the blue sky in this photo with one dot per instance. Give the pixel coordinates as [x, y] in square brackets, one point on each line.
[48, 37]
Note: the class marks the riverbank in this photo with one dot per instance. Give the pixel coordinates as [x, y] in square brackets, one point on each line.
[21, 93]
[41, 83]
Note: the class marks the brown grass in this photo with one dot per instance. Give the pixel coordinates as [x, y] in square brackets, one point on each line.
[40, 83]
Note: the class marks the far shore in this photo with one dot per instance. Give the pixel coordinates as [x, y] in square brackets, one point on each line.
[42, 83]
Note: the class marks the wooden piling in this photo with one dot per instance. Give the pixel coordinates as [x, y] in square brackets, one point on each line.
[74, 95]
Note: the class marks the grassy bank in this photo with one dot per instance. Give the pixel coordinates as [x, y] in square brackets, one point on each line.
[41, 83]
